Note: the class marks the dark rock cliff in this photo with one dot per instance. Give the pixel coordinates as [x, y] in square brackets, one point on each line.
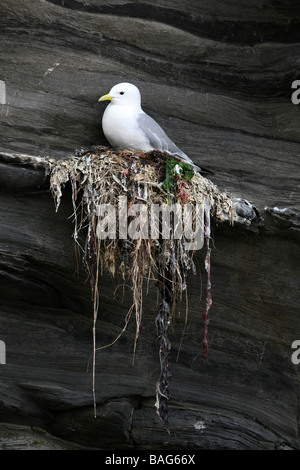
[218, 79]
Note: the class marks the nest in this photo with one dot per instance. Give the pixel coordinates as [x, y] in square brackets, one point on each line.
[113, 195]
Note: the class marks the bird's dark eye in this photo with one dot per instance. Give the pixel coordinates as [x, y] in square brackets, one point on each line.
[122, 92]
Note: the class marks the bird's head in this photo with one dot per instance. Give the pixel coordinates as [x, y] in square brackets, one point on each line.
[123, 94]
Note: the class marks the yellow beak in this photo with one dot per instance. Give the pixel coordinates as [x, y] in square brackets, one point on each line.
[105, 98]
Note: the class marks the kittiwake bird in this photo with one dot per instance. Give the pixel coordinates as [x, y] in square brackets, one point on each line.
[127, 126]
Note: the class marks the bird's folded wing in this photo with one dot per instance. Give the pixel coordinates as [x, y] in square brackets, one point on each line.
[158, 139]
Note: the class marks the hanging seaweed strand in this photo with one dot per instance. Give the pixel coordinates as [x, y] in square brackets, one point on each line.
[163, 322]
[208, 303]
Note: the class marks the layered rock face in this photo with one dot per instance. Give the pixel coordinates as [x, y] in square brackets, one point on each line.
[218, 79]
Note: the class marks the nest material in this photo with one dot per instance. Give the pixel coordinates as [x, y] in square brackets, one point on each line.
[102, 176]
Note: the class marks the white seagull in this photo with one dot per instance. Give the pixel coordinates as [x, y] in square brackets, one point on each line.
[127, 126]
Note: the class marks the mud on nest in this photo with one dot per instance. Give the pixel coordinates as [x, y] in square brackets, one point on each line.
[101, 176]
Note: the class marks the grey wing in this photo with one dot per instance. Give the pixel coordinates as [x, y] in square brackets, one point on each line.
[158, 139]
